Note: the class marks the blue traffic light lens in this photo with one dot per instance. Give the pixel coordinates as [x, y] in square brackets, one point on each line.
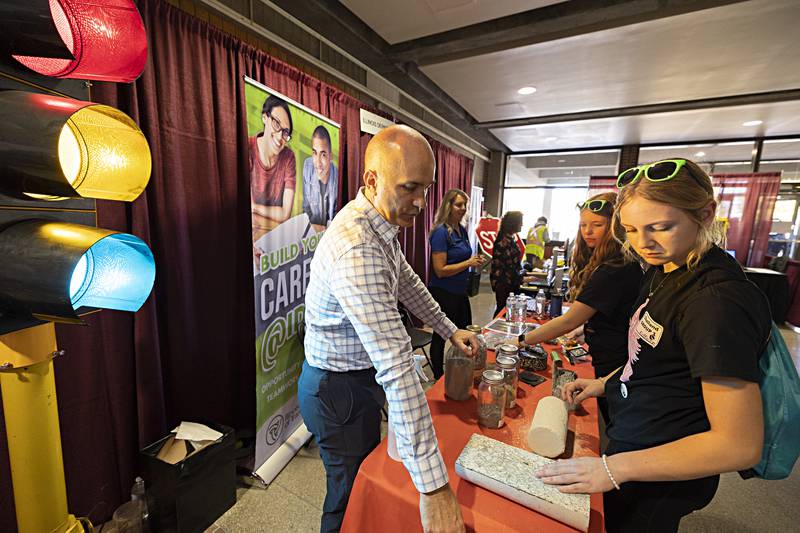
[117, 272]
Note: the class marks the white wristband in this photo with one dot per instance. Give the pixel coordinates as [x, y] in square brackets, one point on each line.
[608, 471]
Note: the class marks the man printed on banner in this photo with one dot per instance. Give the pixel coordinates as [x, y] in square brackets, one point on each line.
[320, 181]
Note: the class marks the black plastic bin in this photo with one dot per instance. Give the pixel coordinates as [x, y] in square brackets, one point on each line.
[188, 496]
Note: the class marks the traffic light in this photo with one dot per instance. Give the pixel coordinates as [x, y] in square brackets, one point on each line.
[57, 155]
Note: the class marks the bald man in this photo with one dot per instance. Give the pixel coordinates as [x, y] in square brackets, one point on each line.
[358, 354]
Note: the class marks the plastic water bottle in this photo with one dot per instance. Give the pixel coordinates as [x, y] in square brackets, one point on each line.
[137, 495]
[511, 305]
[522, 307]
[540, 302]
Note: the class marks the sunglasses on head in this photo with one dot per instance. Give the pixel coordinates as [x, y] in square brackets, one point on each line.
[595, 206]
[658, 171]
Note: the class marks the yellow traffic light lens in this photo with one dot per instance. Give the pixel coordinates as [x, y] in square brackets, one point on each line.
[103, 154]
[71, 156]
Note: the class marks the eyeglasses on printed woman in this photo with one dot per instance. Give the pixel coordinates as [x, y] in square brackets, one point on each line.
[286, 133]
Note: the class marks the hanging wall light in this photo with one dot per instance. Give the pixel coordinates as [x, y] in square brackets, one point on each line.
[53, 147]
[106, 38]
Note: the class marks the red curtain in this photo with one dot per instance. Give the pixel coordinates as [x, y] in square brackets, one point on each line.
[188, 354]
[598, 184]
[747, 201]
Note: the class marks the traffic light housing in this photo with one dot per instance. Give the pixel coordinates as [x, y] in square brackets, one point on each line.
[61, 271]
[84, 39]
[53, 148]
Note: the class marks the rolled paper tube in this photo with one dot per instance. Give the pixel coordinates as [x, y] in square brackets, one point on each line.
[548, 433]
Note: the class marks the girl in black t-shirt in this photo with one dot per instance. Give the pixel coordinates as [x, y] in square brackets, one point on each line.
[687, 406]
[602, 287]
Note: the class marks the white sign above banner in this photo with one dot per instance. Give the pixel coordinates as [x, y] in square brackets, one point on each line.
[372, 123]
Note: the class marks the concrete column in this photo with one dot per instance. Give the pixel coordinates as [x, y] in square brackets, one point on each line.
[495, 180]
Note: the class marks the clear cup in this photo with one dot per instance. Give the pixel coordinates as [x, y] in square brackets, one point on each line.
[391, 443]
[128, 517]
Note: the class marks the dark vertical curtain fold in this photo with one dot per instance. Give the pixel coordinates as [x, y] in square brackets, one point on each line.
[188, 354]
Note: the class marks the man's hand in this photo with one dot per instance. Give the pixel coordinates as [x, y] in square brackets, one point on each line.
[466, 341]
[440, 512]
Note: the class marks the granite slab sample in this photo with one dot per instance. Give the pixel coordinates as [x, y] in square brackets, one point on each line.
[508, 471]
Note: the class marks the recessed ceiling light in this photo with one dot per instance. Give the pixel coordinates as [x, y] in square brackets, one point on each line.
[752, 123]
[551, 139]
[527, 90]
[562, 160]
[699, 154]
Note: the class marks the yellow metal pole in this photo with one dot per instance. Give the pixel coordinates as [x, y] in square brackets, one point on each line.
[34, 439]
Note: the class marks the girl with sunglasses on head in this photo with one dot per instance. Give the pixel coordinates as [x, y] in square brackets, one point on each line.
[602, 287]
[686, 406]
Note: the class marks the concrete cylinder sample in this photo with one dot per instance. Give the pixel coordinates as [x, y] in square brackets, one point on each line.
[548, 433]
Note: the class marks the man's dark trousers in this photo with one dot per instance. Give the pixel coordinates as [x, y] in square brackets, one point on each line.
[343, 411]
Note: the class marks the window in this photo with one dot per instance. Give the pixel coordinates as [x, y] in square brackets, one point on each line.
[551, 184]
[783, 155]
[712, 157]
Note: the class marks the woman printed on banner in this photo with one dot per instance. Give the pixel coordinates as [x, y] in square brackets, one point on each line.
[273, 171]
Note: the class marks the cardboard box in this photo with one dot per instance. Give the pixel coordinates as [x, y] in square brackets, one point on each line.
[187, 494]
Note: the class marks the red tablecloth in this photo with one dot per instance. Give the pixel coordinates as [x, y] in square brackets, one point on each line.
[384, 499]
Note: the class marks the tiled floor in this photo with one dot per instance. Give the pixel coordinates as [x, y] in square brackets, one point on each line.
[293, 501]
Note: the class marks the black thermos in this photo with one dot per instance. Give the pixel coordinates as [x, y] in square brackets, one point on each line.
[556, 299]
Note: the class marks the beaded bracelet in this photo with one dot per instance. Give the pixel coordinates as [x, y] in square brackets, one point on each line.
[614, 481]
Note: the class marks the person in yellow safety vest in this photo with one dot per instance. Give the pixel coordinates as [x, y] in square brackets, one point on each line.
[534, 244]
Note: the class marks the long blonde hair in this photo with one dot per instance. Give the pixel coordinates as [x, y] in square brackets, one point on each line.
[690, 191]
[443, 213]
[586, 260]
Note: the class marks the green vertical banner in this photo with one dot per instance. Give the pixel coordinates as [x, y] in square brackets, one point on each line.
[294, 181]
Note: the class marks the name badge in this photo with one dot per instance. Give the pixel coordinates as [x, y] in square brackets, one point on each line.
[649, 330]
